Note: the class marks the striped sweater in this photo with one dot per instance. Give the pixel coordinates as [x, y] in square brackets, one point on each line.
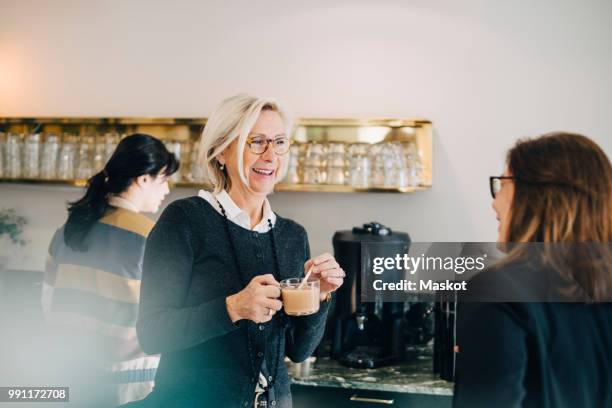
[92, 299]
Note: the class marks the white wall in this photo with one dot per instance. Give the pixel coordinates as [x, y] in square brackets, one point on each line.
[485, 73]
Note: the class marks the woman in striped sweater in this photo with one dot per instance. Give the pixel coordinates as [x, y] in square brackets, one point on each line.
[91, 289]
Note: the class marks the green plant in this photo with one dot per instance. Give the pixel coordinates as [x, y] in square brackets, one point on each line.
[12, 224]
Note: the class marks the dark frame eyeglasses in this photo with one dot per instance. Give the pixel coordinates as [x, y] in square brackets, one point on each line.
[260, 145]
[495, 184]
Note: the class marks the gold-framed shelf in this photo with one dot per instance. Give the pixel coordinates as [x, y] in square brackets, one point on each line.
[144, 120]
[280, 187]
[186, 131]
[333, 188]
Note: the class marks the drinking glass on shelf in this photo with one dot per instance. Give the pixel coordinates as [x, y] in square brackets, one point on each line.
[176, 148]
[336, 163]
[14, 149]
[292, 176]
[67, 158]
[359, 165]
[314, 163]
[84, 168]
[99, 155]
[395, 175]
[359, 172]
[186, 154]
[336, 149]
[312, 175]
[314, 154]
[358, 149]
[196, 172]
[413, 164]
[111, 140]
[335, 175]
[31, 156]
[48, 162]
[293, 164]
[387, 165]
[2, 145]
[377, 163]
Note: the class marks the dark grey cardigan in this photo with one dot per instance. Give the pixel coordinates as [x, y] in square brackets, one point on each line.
[188, 272]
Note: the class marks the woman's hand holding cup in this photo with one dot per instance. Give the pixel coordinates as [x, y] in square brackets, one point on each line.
[327, 271]
[258, 301]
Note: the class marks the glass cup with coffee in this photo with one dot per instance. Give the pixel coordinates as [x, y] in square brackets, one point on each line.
[300, 298]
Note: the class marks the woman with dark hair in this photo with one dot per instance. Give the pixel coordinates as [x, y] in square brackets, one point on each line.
[129, 177]
[91, 288]
[544, 337]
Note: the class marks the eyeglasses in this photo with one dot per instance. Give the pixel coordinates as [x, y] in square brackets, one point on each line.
[259, 144]
[495, 183]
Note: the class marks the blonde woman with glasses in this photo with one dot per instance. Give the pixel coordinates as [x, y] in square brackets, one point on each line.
[210, 300]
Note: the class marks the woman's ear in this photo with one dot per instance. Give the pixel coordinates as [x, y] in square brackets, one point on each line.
[142, 181]
[221, 158]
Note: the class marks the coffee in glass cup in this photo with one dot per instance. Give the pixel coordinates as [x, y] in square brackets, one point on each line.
[300, 298]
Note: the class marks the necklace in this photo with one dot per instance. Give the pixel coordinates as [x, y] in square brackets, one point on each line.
[281, 319]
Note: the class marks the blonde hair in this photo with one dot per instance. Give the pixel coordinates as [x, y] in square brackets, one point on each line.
[233, 119]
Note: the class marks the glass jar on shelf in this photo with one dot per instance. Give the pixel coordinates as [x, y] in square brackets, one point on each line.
[48, 160]
[13, 155]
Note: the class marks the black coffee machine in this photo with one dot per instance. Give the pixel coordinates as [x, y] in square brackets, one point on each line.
[366, 335]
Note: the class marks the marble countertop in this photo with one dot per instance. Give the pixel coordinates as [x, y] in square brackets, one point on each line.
[413, 376]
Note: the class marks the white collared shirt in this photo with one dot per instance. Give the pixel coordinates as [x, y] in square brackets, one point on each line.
[121, 202]
[236, 214]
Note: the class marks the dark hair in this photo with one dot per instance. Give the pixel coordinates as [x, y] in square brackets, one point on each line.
[136, 155]
[564, 190]
[563, 194]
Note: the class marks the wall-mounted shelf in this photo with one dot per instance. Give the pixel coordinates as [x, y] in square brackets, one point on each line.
[183, 133]
[280, 187]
